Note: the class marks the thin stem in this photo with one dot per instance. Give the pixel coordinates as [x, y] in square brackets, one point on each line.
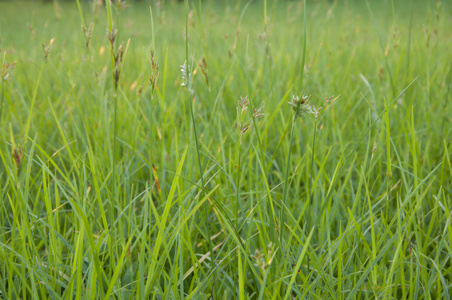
[3, 85]
[263, 164]
[151, 116]
[236, 205]
[238, 185]
[197, 146]
[286, 182]
[310, 173]
[191, 109]
[3, 99]
[151, 144]
[115, 85]
[115, 190]
[286, 178]
[309, 183]
[201, 170]
[303, 58]
[207, 227]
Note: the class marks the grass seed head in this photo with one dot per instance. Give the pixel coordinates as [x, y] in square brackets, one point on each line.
[299, 105]
[5, 71]
[87, 33]
[186, 76]
[204, 69]
[17, 155]
[374, 149]
[117, 55]
[261, 260]
[112, 36]
[122, 4]
[257, 113]
[118, 60]
[302, 107]
[243, 103]
[154, 70]
[242, 128]
[32, 30]
[46, 48]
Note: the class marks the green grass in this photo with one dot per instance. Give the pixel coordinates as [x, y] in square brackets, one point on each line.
[153, 193]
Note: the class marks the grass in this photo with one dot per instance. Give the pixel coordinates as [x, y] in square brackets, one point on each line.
[117, 182]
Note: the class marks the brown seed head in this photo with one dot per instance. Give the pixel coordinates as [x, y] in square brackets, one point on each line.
[17, 155]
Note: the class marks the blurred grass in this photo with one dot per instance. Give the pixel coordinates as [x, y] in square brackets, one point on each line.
[70, 229]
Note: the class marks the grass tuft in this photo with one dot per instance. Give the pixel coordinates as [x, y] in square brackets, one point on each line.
[126, 173]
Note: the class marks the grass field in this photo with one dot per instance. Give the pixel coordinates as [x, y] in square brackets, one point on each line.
[126, 174]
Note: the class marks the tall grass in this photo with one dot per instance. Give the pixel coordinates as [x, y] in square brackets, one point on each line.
[122, 179]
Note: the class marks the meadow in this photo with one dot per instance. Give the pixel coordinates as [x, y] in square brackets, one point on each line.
[226, 149]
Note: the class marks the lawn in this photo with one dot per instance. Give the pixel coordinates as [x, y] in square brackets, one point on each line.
[226, 149]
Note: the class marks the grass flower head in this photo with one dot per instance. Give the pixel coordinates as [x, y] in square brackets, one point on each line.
[186, 75]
